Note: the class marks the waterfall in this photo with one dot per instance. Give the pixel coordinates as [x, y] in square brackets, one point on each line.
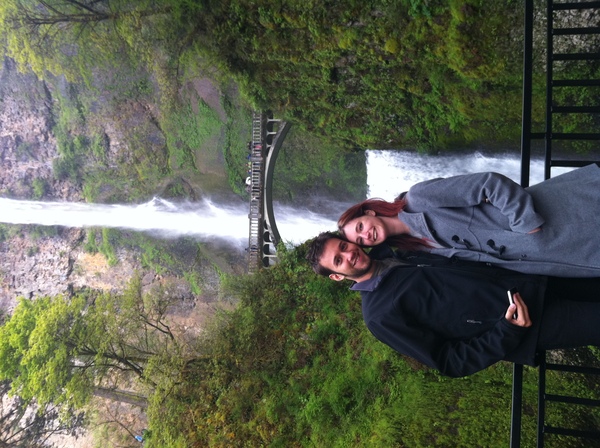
[392, 172]
[388, 173]
[157, 215]
[203, 221]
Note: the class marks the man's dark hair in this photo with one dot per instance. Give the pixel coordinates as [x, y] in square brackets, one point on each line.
[315, 252]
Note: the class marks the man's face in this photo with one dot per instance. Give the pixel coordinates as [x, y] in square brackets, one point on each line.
[346, 259]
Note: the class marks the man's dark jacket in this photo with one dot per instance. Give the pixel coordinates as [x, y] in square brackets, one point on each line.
[449, 314]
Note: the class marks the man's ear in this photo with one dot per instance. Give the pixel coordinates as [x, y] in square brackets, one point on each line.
[370, 212]
[337, 277]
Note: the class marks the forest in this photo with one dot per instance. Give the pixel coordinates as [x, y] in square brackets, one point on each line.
[287, 360]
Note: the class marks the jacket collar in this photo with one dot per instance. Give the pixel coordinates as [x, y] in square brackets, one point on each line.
[384, 267]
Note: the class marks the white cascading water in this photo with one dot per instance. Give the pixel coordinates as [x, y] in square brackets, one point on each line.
[158, 215]
[203, 221]
[392, 172]
[388, 173]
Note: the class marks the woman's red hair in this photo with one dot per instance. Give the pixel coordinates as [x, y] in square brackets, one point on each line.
[384, 208]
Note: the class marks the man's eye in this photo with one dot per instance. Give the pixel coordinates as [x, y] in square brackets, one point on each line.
[336, 262]
[343, 246]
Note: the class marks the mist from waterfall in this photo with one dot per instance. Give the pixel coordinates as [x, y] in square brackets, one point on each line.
[388, 174]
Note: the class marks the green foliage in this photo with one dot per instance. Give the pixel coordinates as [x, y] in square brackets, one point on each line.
[82, 144]
[72, 146]
[576, 96]
[294, 365]
[195, 281]
[107, 246]
[429, 74]
[36, 232]
[91, 246]
[386, 74]
[187, 129]
[180, 258]
[363, 74]
[39, 187]
[98, 146]
[70, 38]
[8, 231]
[57, 350]
[35, 349]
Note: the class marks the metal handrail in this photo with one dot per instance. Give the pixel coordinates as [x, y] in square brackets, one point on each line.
[549, 136]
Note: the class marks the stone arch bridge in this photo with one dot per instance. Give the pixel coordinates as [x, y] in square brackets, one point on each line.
[268, 134]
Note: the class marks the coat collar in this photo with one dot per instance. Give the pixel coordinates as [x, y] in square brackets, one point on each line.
[417, 224]
[384, 267]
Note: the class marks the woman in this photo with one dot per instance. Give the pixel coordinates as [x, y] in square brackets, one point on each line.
[552, 228]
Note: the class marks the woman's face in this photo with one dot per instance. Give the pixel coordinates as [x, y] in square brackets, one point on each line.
[367, 230]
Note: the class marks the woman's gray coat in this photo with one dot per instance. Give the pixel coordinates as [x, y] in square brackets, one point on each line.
[487, 217]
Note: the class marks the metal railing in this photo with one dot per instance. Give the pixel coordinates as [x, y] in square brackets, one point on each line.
[268, 134]
[554, 27]
[256, 152]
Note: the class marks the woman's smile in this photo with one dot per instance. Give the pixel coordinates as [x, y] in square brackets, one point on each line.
[366, 230]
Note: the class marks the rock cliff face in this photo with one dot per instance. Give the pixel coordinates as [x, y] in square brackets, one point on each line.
[33, 265]
[52, 265]
[27, 146]
[30, 265]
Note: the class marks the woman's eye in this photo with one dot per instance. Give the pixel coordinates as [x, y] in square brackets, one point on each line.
[360, 227]
[359, 241]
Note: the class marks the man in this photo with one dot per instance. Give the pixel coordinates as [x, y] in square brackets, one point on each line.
[455, 315]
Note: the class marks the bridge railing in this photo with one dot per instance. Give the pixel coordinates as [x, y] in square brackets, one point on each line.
[268, 134]
[582, 47]
[254, 186]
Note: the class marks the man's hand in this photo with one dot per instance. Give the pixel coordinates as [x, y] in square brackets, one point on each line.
[521, 311]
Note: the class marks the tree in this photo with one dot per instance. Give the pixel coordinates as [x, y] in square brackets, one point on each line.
[72, 36]
[62, 350]
[30, 426]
